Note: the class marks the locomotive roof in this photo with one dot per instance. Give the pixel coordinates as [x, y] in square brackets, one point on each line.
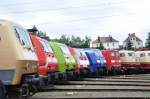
[2, 21]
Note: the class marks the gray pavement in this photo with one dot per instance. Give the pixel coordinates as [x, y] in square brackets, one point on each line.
[130, 86]
[94, 94]
[105, 83]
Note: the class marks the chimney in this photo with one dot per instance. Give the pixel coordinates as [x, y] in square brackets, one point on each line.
[110, 38]
[129, 34]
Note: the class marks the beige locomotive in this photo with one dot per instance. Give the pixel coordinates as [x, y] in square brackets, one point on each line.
[17, 56]
[144, 57]
[129, 59]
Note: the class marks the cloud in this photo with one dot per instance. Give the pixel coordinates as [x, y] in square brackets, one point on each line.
[81, 17]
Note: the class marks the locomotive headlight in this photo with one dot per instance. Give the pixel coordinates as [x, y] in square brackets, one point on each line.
[55, 60]
[36, 67]
[73, 60]
[67, 60]
[104, 61]
[27, 66]
[112, 61]
[98, 61]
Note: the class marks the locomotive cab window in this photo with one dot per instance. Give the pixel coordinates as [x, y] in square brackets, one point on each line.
[81, 53]
[23, 37]
[112, 53]
[64, 49]
[46, 47]
[49, 47]
[122, 54]
[148, 54]
[142, 55]
[130, 54]
[117, 54]
[97, 54]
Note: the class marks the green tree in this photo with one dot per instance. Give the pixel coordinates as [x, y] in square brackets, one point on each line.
[129, 45]
[64, 39]
[76, 42]
[101, 47]
[73, 41]
[86, 42]
[147, 44]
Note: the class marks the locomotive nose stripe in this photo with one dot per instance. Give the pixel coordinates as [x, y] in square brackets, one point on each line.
[7, 76]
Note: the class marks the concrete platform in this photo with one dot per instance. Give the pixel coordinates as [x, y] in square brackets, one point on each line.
[98, 88]
[116, 80]
[93, 94]
[139, 75]
[129, 86]
[139, 78]
[104, 83]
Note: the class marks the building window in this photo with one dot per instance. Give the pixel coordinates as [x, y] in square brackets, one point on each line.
[113, 44]
[97, 45]
[122, 54]
[142, 55]
[112, 53]
[130, 54]
[138, 43]
[107, 44]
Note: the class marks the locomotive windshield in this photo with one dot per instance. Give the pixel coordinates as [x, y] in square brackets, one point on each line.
[65, 49]
[23, 37]
[46, 46]
[49, 47]
[142, 55]
[81, 53]
[131, 54]
[114, 54]
[98, 54]
[122, 54]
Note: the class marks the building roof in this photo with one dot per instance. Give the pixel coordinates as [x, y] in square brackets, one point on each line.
[105, 40]
[131, 36]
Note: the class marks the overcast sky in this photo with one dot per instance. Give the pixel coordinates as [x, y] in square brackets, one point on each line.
[81, 17]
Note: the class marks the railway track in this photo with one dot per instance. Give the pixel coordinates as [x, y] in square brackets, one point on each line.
[126, 86]
[129, 86]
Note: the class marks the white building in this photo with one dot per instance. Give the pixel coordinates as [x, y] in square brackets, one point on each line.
[108, 43]
[136, 42]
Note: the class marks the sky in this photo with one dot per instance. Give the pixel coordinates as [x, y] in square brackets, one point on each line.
[81, 17]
